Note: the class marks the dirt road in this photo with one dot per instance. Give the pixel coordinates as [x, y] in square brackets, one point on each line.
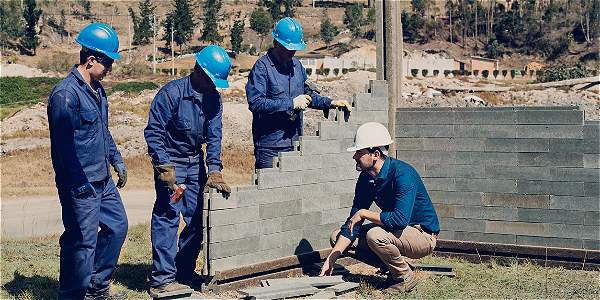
[41, 215]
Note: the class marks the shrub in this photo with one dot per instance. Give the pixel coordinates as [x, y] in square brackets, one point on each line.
[132, 87]
[504, 73]
[372, 70]
[447, 72]
[456, 72]
[308, 71]
[132, 69]
[469, 73]
[485, 73]
[319, 72]
[523, 72]
[563, 72]
[425, 72]
[496, 72]
[414, 72]
[352, 70]
[326, 71]
[513, 73]
[531, 72]
[336, 71]
[436, 72]
[58, 62]
[21, 90]
[344, 70]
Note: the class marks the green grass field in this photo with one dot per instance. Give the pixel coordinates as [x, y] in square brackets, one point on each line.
[30, 271]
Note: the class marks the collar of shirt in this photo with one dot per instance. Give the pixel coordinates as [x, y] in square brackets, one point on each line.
[84, 84]
[383, 173]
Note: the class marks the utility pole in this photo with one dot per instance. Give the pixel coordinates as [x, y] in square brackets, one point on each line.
[153, 44]
[129, 31]
[172, 52]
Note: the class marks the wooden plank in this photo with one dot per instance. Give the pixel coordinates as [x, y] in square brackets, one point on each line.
[259, 291]
[324, 281]
[280, 292]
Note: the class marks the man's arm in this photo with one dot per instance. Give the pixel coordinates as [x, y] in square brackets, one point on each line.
[340, 246]
[256, 93]
[317, 101]
[213, 134]
[405, 193]
[154, 133]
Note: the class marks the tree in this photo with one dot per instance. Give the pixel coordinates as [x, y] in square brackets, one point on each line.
[353, 19]
[58, 26]
[261, 22]
[450, 10]
[181, 22]
[237, 31]
[31, 14]
[274, 7]
[142, 25]
[11, 23]
[210, 32]
[87, 10]
[328, 30]
[492, 48]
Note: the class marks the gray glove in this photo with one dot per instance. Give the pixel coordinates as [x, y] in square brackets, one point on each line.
[122, 173]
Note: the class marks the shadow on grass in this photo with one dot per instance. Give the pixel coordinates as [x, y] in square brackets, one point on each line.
[34, 287]
[133, 276]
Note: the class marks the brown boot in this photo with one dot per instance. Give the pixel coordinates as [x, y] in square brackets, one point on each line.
[406, 284]
[169, 290]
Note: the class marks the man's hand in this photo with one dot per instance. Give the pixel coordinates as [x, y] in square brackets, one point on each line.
[215, 180]
[301, 102]
[122, 173]
[166, 174]
[327, 267]
[355, 219]
[343, 104]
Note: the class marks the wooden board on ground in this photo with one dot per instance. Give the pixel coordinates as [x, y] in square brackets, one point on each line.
[318, 282]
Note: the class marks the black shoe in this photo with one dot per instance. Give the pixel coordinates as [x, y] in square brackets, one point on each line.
[106, 295]
[169, 289]
[194, 280]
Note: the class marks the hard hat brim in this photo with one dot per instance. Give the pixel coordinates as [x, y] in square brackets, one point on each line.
[356, 148]
[219, 83]
[292, 46]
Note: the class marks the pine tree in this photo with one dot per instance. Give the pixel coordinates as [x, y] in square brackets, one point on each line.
[328, 30]
[11, 23]
[181, 21]
[353, 18]
[142, 25]
[237, 31]
[31, 14]
[210, 32]
[274, 7]
[261, 22]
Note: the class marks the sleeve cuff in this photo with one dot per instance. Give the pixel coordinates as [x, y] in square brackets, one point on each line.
[213, 168]
[385, 219]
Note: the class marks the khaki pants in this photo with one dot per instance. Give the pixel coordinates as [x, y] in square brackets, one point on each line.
[378, 247]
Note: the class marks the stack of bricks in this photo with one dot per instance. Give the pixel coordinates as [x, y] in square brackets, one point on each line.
[292, 208]
[522, 175]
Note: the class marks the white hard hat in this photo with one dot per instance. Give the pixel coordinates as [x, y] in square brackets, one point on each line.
[369, 135]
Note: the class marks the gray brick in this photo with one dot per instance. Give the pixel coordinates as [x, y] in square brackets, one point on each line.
[430, 157]
[365, 101]
[424, 131]
[451, 144]
[424, 117]
[516, 145]
[378, 88]
[328, 175]
[361, 117]
[234, 247]
[575, 203]
[446, 235]
[591, 189]
[591, 161]
[515, 200]
[468, 144]
[576, 174]
[337, 216]
[590, 232]
[550, 188]
[592, 218]
[234, 216]
[518, 172]
[485, 131]
[439, 184]
[409, 144]
[485, 158]
[459, 171]
[485, 237]
[298, 221]
[486, 213]
[574, 117]
[446, 197]
[470, 225]
[234, 262]
[280, 239]
[550, 131]
[486, 185]
[559, 216]
[591, 130]
[346, 200]
[338, 160]
[279, 179]
[343, 186]
[485, 117]
[309, 147]
[325, 202]
[564, 231]
[298, 163]
[444, 210]
[332, 130]
[567, 145]
[522, 228]
[234, 232]
[549, 242]
[591, 245]
[591, 146]
[555, 159]
[273, 210]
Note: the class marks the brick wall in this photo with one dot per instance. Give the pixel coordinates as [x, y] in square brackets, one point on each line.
[523, 175]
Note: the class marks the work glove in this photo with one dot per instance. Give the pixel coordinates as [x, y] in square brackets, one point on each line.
[301, 102]
[343, 104]
[122, 173]
[166, 175]
[84, 191]
[215, 180]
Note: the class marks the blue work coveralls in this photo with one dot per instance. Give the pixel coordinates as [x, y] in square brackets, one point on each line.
[180, 121]
[82, 151]
[270, 91]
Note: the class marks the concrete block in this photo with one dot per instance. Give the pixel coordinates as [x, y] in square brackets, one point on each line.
[591, 130]
[515, 200]
[576, 174]
[279, 292]
[346, 200]
[485, 117]
[233, 262]
[430, 157]
[591, 146]
[575, 203]
[310, 147]
[590, 232]
[460, 198]
[520, 228]
[486, 185]
[321, 233]
[592, 218]
[564, 231]
[452, 144]
[378, 88]
[424, 117]
[322, 295]
[328, 175]
[468, 144]
[332, 130]
[318, 282]
[560, 188]
[518, 172]
[457, 171]
[591, 161]
[550, 131]
[471, 225]
[547, 117]
[279, 239]
[298, 163]
[234, 216]
[337, 160]
[294, 222]
[439, 184]
[337, 216]
[361, 117]
[554, 159]
[566, 145]
[425, 131]
[234, 231]
[409, 144]
[343, 287]
[279, 209]
[485, 237]
[485, 158]
[560, 216]
[278, 179]
[485, 131]
[591, 189]
[549, 242]
[343, 186]
[325, 202]
[234, 247]
[445, 210]
[591, 245]
[446, 235]
[516, 145]
[486, 213]
[365, 101]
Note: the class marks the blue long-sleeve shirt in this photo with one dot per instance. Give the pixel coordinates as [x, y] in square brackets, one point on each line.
[82, 147]
[270, 91]
[400, 193]
[181, 120]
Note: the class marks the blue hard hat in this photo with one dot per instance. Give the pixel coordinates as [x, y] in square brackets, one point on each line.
[288, 32]
[100, 37]
[216, 64]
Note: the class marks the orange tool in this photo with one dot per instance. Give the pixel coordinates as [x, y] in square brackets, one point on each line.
[178, 193]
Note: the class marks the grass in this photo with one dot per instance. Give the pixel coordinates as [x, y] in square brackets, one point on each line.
[30, 271]
[19, 92]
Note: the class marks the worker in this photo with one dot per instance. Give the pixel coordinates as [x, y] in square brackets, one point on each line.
[277, 95]
[82, 151]
[185, 114]
[407, 225]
